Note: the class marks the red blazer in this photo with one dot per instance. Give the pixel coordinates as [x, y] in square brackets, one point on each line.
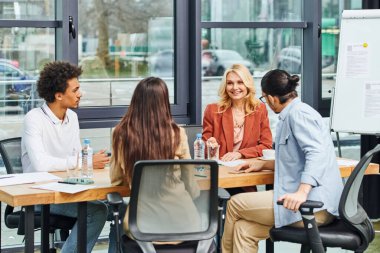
[257, 133]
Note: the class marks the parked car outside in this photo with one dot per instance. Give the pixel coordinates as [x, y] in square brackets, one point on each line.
[162, 63]
[17, 87]
[214, 62]
[12, 62]
[221, 59]
[290, 60]
[9, 72]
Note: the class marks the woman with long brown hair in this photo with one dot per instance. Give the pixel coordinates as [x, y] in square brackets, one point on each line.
[148, 132]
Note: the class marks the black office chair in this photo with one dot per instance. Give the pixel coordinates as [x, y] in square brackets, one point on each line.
[10, 150]
[172, 200]
[352, 231]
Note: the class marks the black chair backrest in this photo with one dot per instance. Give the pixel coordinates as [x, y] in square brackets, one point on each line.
[10, 150]
[349, 208]
[174, 200]
[191, 132]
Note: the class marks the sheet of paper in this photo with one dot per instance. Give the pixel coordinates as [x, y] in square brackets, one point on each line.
[26, 178]
[67, 188]
[231, 163]
[372, 100]
[357, 61]
[342, 162]
[40, 176]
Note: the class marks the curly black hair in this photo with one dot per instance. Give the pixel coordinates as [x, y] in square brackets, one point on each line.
[54, 77]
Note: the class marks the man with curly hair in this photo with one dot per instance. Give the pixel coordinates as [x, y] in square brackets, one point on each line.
[51, 134]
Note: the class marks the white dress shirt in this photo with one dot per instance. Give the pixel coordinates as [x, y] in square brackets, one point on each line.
[48, 143]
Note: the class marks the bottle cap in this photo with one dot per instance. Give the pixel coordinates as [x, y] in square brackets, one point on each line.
[86, 141]
[199, 135]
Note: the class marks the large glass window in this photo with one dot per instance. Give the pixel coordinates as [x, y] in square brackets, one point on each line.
[23, 52]
[127, 41]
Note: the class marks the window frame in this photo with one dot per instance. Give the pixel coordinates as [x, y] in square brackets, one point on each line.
[311, 49]
[66, 48]
[109, 116]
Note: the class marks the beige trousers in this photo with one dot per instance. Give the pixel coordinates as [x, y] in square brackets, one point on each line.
[250, 217]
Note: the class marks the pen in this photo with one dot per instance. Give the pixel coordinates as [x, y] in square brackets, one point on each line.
[65, 182]
[6, 177]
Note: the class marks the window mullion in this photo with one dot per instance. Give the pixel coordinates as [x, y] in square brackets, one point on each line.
[66, 45]
[311, 56]
[7, 23]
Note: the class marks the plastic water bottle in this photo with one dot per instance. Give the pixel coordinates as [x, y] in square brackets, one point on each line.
[87, 152]
[199, 153]
[199, 147]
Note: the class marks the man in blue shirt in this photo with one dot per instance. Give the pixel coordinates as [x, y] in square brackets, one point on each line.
[305, 167]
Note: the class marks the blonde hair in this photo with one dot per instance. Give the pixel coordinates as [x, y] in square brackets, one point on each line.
[250, 101]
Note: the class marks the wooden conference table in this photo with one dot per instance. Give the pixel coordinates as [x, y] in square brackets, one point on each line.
[24, 195]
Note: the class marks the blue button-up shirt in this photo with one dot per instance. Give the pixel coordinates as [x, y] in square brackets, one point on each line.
[304, 154]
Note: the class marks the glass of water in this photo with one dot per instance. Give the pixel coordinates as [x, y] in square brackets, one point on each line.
[74, 170]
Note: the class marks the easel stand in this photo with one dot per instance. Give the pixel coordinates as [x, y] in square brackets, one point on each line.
[338, 144]
[331, 115]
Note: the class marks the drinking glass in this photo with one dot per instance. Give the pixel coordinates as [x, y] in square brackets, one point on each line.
[74, 171]
[212, 151]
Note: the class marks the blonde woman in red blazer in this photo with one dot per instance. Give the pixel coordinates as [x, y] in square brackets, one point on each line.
[239, 121]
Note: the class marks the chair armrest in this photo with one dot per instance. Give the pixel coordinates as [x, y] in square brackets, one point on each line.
[311, 204]
[310, 225]
[223, 194]
[308, 204]
[114, 199]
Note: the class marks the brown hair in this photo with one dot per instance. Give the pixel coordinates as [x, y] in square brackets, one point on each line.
[146, 130]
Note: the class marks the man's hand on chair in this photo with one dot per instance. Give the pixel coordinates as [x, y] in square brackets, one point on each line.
[292, 201]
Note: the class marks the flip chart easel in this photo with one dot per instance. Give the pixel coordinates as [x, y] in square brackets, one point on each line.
[356, 98]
